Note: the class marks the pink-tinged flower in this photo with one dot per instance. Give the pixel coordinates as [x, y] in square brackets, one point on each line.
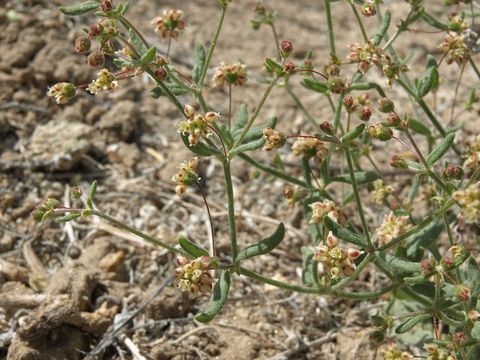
[274, 139]
[235, 74]
[392, 227]
[193, 276]
[169, 24]
[310, 148]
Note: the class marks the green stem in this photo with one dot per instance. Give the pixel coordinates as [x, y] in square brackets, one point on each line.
[360, 23]
[315, 290]
[144, 236]
[331, 38]
[231, 208]
[255, 113]
[474, 66]
[129, 25]
[277, 40]
[273, 172]
[202, 101]
[307, 171]
[357, 199]
[212, 48]
[166, 90]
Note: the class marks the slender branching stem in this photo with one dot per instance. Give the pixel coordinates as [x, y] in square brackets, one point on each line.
[359, 21]
[212, 230]
[331, 37]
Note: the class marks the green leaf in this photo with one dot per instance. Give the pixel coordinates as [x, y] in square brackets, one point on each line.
[441, 149]
[157, 91]
[473, 280]
[272, 65]
[410, 323]
[425, 237]
[68, 217]
[239, 119]
[199, 63]
[79, 9]
[315, 85]
[201, 148]
[125, 8]
[353, 134]
[309, 267]
[137, 42]
[428, 81]
[419, 128]
[254, 145]
[121, 63]
[264, 246]
[149, 56]
[91, 194]
[383, 28]
[361, 177]
[400, 266]
[343, 233]
[192, 249]
[364, 86]
[434, 22]
[218, 298]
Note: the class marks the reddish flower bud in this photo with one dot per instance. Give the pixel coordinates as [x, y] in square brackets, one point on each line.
[161, 74]
[289, 68]
[288, 192]
[106, 5]
[96, 59]
[189, 111]
[352, 253]
[94, 31]
[393, 119]
[427, 265]
[462, 292]
[453, 172]
[336, 84]
[459, 337]
[473, 315]
[398, 162]
[348, 103]
[364, 112]
[385, 105]
[286, 48]
[326, 127]
[82, 45]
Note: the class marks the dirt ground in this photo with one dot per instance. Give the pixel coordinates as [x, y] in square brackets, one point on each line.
[86, 287]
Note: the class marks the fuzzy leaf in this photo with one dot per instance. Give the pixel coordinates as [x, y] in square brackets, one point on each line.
[254, 145]
[419, 128]
[157, 91]
[199, 63]
[264, 246]
[218, 298]
[315, 85]
[149, 56]
[383, 28]
[256, 132]
[137, 42]
[240, 119]
[192, 249]
[428, 81]
[441, 149]
[68, 217]
[272, 65]
[353, 134]
[343, 233]
[309, 267]
[400, 266]
[200, 148]
[91, 194]
[79, 9]
[410, 323]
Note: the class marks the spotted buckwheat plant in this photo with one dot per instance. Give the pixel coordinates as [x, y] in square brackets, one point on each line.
[396, 134]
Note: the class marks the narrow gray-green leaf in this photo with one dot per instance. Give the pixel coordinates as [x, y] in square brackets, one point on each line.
[264, 246]
[441, 149]
[309, 267]
[79, 9]
[361, 177]
[240, 119]
[254, 145]
[192, 249]
[137, 42]
[91, 194]
[199, 62]
[353, 134]
[401, 266]
[383, 28]
[149, 56]
[218, 298]
[410, 323]
[200, 148]
[315, 85]
[419, 128]
[68, 217]
[343, 233]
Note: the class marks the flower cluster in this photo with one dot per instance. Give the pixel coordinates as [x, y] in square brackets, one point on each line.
[310, 148]
[434, 352]
[62, 92]
[454, 49]
[235, 74]
[392, 227]
[45, 210]
[169, 24]
[469, 201]
[186, 176]
[336, 260]
[380, 132]
[381, 191]
[105, 81]
[327, 208]
[196, 125]
[365, 55]
[274, 139]
[393, 353]
[192, 276]
[473, 154]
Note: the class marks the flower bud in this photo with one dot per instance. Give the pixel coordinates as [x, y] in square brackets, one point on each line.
[94, 31]
[393, 119]
[96, 59]
[348, 102]
[161, 74]
[364, 112]
[352, 253]
[332, 240]
[182, 260]
[398, 162]
[189, 111]
[380, 132]
[473, 315]
[180, 190]
[106, 5]
[347, 270]
[385, 105]
[326, 127]
[462, 292]
[286, 48]
[82, 45]
[76, 192]
[289, 68]
[459, 337]
[193, 163]
[452, 172]
[211, 116]
[427, 265]
[336, 84]
[368, 9]
[62, 92]
[288, 192]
